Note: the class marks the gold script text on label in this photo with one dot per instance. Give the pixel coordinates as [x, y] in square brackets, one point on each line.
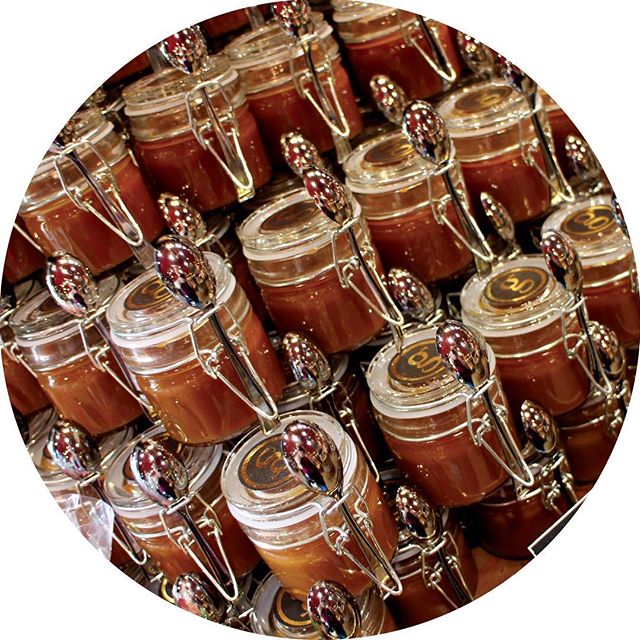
[515, 287]
[588, 223]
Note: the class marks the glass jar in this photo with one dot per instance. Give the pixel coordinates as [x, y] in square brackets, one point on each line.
[561, 127]
[288, 246]
[22, 258]
[278, 614]
[507, 525]
[229, 22]
[521, 309]
[176, 141]
[152, 331]
[284, 520]
[56, 209]
[405, 203]
[383, 40]
[168, 546]
[61, 486]
[420, 601]
[50, 341]
[274, 77]
[588, 435]
[422, 411]
[610, 277]
[492, 131]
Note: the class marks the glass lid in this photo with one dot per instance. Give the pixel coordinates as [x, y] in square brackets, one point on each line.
[145, 312]
[258, 486]
[39, 319]
[517, 297]
[482, 108]
[346, 10]
[591, 227]
[123, 492]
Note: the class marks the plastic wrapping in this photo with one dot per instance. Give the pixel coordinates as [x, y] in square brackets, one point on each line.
[94, 519]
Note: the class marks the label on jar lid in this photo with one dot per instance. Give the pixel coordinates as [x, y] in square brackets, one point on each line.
[514, 287]
[263, 468]
[147, 295]
[389, 152]
[290, 613]
[417, 364]
[294, 215]
[588, 223]
[482, 99]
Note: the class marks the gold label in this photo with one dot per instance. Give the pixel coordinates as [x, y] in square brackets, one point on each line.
[482, 99]
[289, 612]
[515, 287]
[147, 295]
[390, 152]
[263, 468]
[588, 223]
[294, 215]
[417, 364]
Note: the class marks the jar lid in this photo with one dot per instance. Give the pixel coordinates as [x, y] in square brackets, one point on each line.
[517, 297]
[144, 313]
[39, 320]
[592, 229]
[385, 162]
[124, 493]
[54, 479]
[166, 89]
[281, 615]
[414, 382]
[286, 228]
[260, 490]
[482, 108]
[269, 45]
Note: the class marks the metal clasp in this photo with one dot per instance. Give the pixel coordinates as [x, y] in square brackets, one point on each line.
[234, 163]
[550, 485]
[338, 537]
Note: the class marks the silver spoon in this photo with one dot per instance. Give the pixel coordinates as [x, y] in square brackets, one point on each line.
[463, 352]
[294, 18]
[299, 153]
[411, 295]
[77, 455]
[584, 164]
[477, 56]
[502, 223]
[333, 611]
[193, 593]
[426, 131]
[613, 359]
[425, 525]
[618, 215]
[526, 86]
[389, 97]
[542, 432]
[334, 201]
[182, 218]
[314, 460]
[186, 273]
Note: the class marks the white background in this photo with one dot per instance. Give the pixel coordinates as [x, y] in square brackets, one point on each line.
[55, 54]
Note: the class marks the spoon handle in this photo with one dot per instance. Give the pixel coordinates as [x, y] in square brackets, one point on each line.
[566, 488]
[460, 589]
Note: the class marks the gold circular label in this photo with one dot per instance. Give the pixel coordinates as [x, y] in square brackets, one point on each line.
[482, 99]
[417, 364]
[588, 223]
[515, 287]
[289, 612]
[297, 213]
[390, 152]
[146, 295]
[263, 468]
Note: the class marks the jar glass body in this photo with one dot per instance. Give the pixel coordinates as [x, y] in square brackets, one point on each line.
[25, 393]
[22, 259]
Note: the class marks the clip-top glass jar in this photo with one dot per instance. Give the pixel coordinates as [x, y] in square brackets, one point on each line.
[492, 130]
[608, 266]
[162, 535]
[290, 249]
[530, 322]
[153, 332]
[59, 208]
[84, 387]
[561, 127]
[422, 410]
[383, 40]
[407, 208]
[277, 614]
[178, 142]
[297, 532]
[274, 76]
